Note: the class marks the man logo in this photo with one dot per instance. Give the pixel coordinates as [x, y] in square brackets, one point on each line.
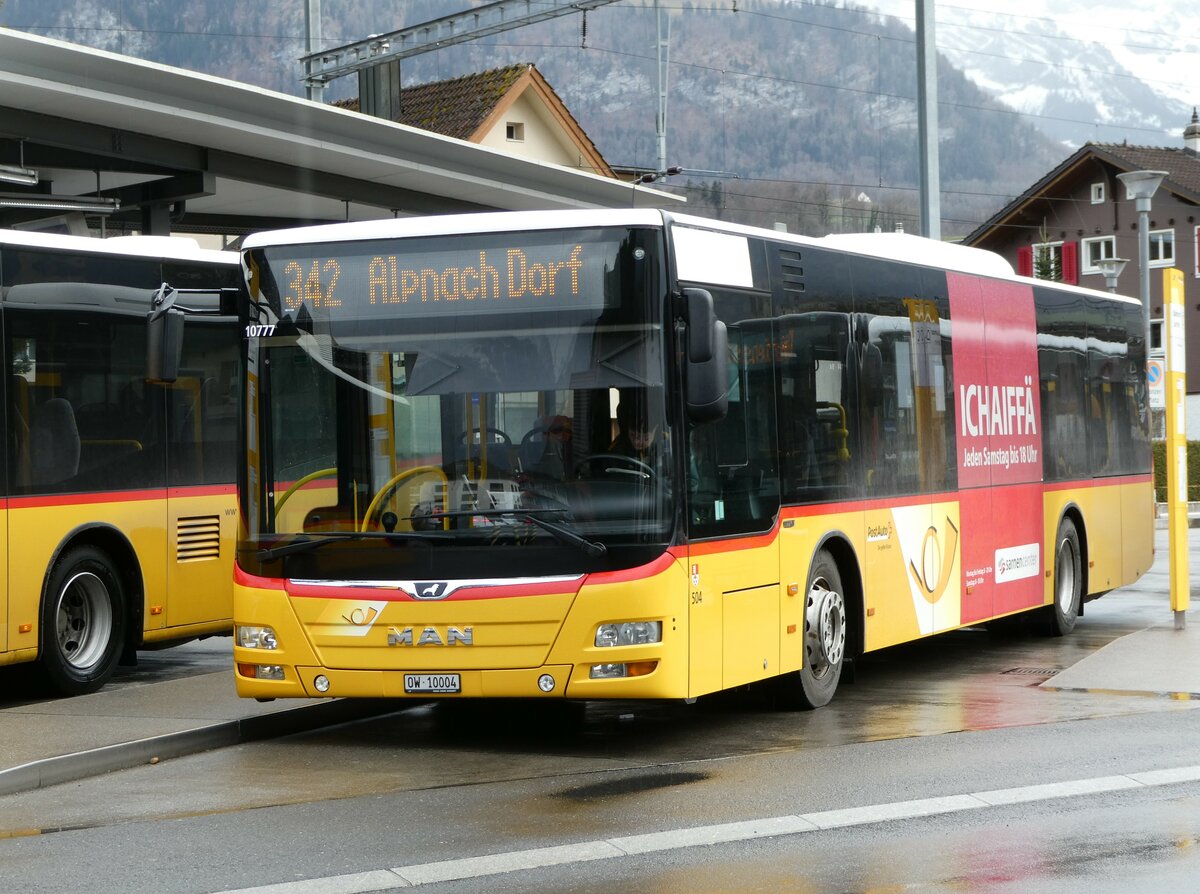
[431, 589]
[933, 577]
[431, 636]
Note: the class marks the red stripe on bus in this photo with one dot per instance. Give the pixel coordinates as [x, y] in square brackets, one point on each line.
[1100, 482]
[624, 575]
[203, 490]
[122, 496]
[464, 594]
[242, 579]
[640, 572]
[727, 544]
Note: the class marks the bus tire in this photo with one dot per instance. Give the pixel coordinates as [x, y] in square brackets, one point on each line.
[83, 621]
[1068, 580]
[825, 639]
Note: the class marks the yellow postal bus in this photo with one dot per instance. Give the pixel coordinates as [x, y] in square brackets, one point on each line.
[630, 454]
[118, 518]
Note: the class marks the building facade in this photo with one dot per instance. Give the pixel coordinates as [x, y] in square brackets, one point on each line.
[511, 109]
[1079, 214]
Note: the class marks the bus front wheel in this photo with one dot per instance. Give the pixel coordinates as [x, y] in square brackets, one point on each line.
[83, 621]
[1068, 580]
[824, 638]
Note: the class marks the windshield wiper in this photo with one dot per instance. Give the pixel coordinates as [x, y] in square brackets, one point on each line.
[302, 546]
[593, 548]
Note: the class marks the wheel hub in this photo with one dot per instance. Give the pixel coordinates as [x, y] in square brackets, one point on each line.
[1065, 575]
[826, 628]
[84, 618]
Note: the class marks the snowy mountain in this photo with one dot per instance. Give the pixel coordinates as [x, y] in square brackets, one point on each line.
[801, 112]
[1078, 70]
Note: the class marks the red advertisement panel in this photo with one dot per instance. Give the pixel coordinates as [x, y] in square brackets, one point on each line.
[999, 444]
[995, 382]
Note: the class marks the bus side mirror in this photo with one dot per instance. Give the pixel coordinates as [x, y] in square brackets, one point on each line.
[706, 373]
[164, 344]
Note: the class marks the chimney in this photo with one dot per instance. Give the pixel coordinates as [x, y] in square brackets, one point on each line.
[1191, 135]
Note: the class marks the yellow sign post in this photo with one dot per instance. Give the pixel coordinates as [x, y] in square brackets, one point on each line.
[1176, 453]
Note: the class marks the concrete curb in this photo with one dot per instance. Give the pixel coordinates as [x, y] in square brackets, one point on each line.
[123, 755]
[1160, 515]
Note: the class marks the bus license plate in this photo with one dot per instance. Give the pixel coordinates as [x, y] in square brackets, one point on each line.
[427, 683]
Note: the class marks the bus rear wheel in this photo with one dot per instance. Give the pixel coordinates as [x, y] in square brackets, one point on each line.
[814, 684]
[83, 622]
[1068, 580]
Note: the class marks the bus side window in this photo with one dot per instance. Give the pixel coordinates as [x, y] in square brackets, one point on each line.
[1063, 364]
[893, 435]
[818, 428]
[870, 400]
[733, 469]
[202, 407]
[797, 397]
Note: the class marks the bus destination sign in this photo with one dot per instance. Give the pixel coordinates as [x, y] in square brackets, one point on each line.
[369, 280]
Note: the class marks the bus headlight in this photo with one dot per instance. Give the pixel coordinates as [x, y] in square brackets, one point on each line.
[256, 638]
[633, 633]
[621, 670]
[262, 671]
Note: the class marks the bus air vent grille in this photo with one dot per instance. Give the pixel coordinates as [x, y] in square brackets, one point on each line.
[198, 538]
[791, 271]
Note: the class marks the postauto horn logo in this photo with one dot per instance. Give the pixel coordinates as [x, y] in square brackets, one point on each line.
[937, 562]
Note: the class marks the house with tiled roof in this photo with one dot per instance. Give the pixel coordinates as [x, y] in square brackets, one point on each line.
[1078, 214]
[512, 109]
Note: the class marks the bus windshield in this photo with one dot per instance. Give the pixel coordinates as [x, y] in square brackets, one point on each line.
[441, 407]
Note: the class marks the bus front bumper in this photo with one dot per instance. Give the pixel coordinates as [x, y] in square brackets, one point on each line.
[548, 681]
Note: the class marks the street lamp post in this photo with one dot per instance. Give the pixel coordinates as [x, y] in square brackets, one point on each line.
[1112, 269]
[1141, 186]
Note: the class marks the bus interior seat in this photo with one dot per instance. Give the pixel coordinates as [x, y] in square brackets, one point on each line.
[54, 442]
[469, 452]
[104, 436]
[99, 421]
[546, 448]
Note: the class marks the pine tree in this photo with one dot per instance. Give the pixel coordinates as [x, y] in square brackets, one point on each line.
[1047, 258]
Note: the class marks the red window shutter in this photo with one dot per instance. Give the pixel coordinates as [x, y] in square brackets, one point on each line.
[1070, 262]
[1025, 260]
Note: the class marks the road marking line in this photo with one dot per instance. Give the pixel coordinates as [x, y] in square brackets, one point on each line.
[354, 883]
[1058, 790]
[722, 833]
[494, 864]
[1167, 777]
[882, 813]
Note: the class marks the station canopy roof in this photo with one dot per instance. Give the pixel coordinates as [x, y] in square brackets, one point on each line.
[213, 155]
